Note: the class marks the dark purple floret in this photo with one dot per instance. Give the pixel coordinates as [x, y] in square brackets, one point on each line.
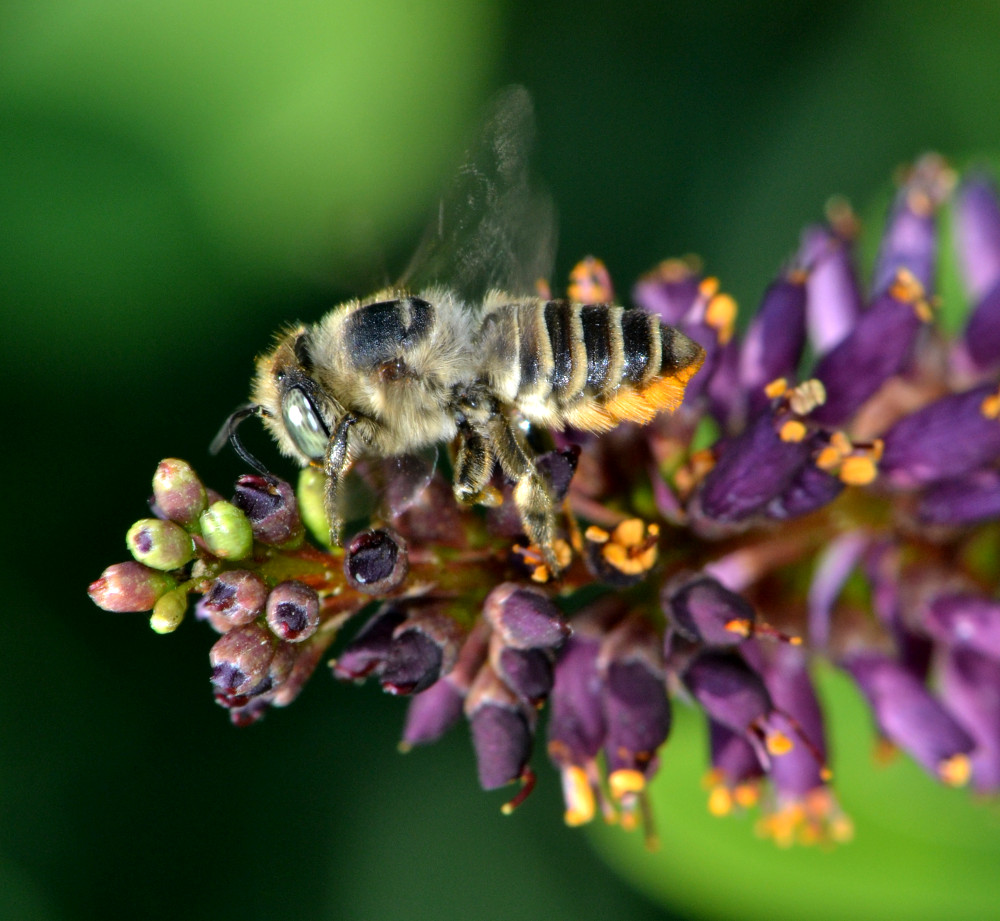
[727, 688]
[636, 712]
[949, 438]
[808, 490]
[970, 689]
[412, 664]
[879, 346]
[576, 716]
[772, 346]
[833, 297]
[240, 660]
[558, 467]
[669, 291]
[982, 332]
[732, 755]
[432, 713]
[909, 242]
[502, 740]
[527, 672]
[977, 233]
[367, 650]
[526, 618]
[236, 597]
[704, 610]
[376, 561]
[752, 469]
[968, 500]
[293, 611]
[271, 507]
[910, 717]
[966, 620]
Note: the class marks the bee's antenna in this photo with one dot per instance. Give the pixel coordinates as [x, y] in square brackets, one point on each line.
[228, 433]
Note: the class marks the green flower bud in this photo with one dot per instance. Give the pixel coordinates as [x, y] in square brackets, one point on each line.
[178, 492]
[311, 486]
[169, 611]
[227, 531]
[160, 544]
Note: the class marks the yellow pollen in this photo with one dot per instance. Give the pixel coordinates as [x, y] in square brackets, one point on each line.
[596, 535]
[739, 625]
[721, 316]
[720, 802]
[792, 430]
[841, 442]
[776, 388]
[956, 770]
[990, 407]
[858, 471]
[746, 795]
[825, 774]
[906, 288]
[542, 289]
[625, 781]
[878, 449]
[804, 398]
[828, 459]
[778, 743]
[708, 287]
[579, 796]
[630, 532]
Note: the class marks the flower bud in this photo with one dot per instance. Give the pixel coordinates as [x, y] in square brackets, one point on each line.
[270, 506]
[128, 587]
[968, 620]
[178, 493]
[833, 298]
[160, 544]
[312, 508]
[977, 232]
[423, 647]
[969, 500]
[370, 646]
[970, 689]
[704, 611]
[502, 730]
[524, 617]
[527, 672]
[293, 611]
[227, 531]
[376, 561]
[236, 597]
[240, 660]
[169, 611]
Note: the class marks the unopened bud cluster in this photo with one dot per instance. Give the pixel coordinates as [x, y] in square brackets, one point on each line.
[840, 440]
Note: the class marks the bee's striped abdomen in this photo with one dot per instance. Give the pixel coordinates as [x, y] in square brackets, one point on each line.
[597, 365]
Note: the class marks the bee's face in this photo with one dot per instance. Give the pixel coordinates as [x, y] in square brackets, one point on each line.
[295, 408]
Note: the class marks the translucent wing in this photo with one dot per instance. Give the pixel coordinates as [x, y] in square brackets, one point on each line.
[493, 228]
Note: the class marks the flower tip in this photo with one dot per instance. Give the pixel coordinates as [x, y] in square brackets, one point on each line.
[626, 781]
[527, 779]
[956, 770]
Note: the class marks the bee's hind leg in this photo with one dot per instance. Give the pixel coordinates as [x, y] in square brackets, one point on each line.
[474, 468]
[336, 463]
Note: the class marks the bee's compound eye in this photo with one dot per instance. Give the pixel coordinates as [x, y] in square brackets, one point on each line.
[304, 424]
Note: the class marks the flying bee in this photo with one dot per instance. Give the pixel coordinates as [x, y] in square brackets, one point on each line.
[465, 355]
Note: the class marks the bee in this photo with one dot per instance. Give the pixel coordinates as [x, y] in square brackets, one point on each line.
[469, 354]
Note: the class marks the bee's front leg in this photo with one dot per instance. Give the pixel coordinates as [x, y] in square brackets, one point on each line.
[336, 463]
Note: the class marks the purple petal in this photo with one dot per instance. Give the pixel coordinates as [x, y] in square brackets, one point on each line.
[969, 500]
[970, 688]
[833, 298]
[977, 233]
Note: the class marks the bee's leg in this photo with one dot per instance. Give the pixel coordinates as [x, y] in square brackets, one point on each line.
[531, 494]
[473, 468]
[336, 463]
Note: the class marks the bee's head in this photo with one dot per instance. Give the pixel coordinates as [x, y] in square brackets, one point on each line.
[295, 409]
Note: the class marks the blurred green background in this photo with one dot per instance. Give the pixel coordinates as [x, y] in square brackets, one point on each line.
[179, 180]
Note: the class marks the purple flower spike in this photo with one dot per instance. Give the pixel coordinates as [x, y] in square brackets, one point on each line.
[965, 620]
[705, 611]
[970, 689]
[752, 469]
[524, 617]
[977, 234]
[371, 645]
[909, 716]
[982, 332]
[773, 343]
[878, 346]
[502, 730]
[833, 298]
[967, 500]
[951, 437]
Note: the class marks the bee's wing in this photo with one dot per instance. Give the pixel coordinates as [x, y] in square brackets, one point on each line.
[493, 228]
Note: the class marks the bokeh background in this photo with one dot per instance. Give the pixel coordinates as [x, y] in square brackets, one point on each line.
[179, 180]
